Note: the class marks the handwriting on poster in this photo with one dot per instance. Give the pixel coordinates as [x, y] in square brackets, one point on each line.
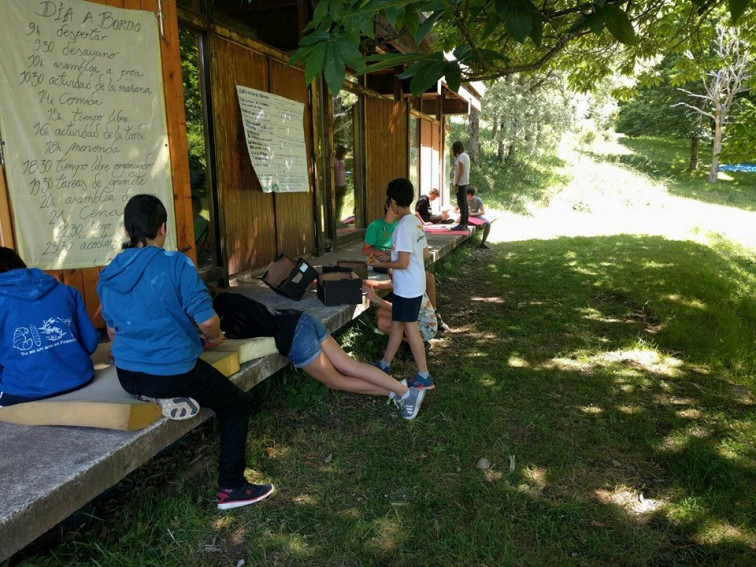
[274, 129]
[83, 120]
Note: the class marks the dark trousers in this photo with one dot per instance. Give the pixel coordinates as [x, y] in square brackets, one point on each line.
[212, 390]
[462, 204]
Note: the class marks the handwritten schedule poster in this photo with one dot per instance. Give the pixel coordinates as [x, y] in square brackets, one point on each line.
[274, 128]
[83, 119]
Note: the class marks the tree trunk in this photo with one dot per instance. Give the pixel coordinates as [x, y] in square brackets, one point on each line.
[501, 153]
[693, 165]
[474, 134]
[495, 128]
[511, 150]
[716, 147]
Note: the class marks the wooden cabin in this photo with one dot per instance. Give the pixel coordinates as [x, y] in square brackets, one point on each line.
[223, 218]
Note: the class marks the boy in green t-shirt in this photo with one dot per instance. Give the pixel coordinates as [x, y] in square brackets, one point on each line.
[377, 244]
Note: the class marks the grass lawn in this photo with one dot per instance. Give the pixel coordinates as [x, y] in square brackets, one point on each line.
[607, 379]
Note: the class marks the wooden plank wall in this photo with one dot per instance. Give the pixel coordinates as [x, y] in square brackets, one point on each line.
[247, 214]
[85, 280]
[295, 212]
[256, 226]
[386, 132]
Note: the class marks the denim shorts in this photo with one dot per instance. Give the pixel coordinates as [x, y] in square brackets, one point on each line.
[305, 347]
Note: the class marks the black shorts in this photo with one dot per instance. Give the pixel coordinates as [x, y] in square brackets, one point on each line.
[406, 310]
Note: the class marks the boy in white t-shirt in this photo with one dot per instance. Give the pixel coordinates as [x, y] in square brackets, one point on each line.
[409, 249]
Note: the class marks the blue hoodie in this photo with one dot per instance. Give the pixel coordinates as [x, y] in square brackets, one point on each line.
[47, 336]
[150, 297]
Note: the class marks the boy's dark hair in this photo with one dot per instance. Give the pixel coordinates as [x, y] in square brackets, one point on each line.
[9, 260]
[401, 191]
[457, 148]
[471, 190]
[142, 219]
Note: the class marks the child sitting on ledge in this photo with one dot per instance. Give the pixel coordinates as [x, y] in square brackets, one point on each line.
[47, 334]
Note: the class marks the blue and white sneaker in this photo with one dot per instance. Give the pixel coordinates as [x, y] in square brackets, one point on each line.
[409, 406]
[422, 383]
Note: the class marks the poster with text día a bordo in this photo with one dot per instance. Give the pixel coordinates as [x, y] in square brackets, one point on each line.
[82, 118]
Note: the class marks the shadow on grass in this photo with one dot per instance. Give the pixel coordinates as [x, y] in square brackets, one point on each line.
[665, 161]
[589, 372]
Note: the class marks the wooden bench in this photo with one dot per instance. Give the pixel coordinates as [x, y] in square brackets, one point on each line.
[49, 472]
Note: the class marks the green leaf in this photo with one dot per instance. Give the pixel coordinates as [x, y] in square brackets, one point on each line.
[322, 13]
[453, 75]
[412, 21]
[737, 8]
[299, 54]
[427, 26]
[536, 33]
[502, 7]
[462, 51]
[315, 62]
[595, 23]
[351, 53]
[519, 22]
[579, 25]
[428, 75]
[334, 70]
[315, 37]
[618, 24]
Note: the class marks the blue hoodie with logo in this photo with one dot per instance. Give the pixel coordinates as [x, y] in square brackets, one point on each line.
[47, 336]
[150, 297]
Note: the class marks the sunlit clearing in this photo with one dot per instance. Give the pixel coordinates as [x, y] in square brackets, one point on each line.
[278, 451]
[719, 533]
[595, 315]
[631, 501]
[591, 409]
[222, 523]
[694, 303]
[678, 440]
[488, 299]
[630, 410]
[388, 536]
[690, 413]
[305, 499]
[653, 264]
[638, 358]
[517, 362]
[238, 536]
[536, 476]
[349, 514]
[292, 543]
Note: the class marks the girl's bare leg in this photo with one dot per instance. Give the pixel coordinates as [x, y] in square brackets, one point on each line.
[352, 368]
[323, 371]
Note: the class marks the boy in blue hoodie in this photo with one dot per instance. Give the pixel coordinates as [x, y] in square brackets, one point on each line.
[46, 333]
[151, 299]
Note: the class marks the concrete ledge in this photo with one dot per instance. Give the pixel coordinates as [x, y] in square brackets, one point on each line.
[50, 472]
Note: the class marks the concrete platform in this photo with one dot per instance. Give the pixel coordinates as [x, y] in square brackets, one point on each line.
[50, 472]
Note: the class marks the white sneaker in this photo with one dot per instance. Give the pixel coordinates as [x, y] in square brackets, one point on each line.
[174, 408]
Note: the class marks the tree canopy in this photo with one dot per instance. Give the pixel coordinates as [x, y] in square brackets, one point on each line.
[469, 40]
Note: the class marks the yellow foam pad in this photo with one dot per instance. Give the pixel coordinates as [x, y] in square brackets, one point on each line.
[248, 349]
[101, 403]
[225, 362]
[105, 415]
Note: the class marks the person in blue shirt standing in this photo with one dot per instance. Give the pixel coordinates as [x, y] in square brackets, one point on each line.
[151, 299]
[47, 336]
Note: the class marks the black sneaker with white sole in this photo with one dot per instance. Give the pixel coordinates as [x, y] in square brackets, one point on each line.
[229, 498]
